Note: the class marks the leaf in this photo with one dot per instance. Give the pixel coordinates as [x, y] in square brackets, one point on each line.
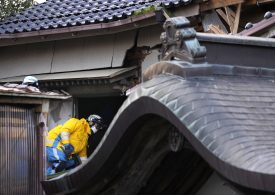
[11, 7]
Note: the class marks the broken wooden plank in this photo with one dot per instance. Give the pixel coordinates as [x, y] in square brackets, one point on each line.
[222, 14]
[215, 29]
[212, 18]
[226, 16]
[231, 12]
[230, 17]
[214, 4]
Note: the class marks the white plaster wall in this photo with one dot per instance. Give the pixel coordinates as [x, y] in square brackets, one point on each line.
[72, 55]
[150, 37]
[25, 59]
[86, 53]
[123, 41]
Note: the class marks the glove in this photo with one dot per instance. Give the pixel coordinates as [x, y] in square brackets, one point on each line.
[67, 149]
[76, 159]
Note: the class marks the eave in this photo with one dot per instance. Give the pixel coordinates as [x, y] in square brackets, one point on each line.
[80, 78]
[130, 23]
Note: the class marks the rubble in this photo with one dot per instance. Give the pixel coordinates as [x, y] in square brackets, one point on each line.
[25, 89]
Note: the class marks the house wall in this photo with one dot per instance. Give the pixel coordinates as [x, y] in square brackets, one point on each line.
[108, 51]
[150, 37]
[59, 112]
[76, 54]
[25, 59]
[123, 41]
[65, 55]
[81, 54]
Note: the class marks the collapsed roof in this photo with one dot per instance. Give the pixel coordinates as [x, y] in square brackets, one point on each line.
[20, 90]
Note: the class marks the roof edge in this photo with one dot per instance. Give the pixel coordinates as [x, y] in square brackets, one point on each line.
[129, 23]
[34, 95]
[236, 39]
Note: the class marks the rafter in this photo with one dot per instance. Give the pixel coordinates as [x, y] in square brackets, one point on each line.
[214, 4]
[230, 17]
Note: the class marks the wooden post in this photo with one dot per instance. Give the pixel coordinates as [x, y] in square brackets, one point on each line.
[237, 19]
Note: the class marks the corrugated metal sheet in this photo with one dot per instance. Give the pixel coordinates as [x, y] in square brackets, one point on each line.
[18, 151]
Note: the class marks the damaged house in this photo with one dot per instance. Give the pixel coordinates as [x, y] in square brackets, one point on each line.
[95, 52]
[23, 119]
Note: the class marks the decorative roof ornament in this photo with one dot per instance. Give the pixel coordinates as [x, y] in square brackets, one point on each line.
[179, 42]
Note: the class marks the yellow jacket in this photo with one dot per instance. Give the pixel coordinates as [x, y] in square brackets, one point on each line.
[74, 132]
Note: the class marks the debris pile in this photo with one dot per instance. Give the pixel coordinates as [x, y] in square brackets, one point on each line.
[26, 89]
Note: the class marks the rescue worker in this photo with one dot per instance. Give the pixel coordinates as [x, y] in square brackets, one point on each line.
[67, 144]
[30, 81]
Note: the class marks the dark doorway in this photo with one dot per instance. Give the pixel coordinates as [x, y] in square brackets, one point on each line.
[106, 107]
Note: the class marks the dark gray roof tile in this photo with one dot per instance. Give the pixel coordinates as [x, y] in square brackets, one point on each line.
[62, 13]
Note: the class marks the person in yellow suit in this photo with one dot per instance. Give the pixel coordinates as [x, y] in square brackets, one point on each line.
[67, 144]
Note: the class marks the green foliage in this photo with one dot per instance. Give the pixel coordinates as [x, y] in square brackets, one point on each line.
[9, 7]
[151, 9]
[145, 11]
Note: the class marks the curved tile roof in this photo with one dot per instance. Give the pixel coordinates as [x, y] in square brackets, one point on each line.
[54, 14]
[226, 113]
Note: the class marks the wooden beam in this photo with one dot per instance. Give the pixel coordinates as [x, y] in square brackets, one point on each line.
[229, 19]
[211, 18]
[231, 12]
[237, 19]
[222, 14]
[19, 100]
[226, 16]
[254, 2]
[265, 1]
[251, 2]
[214, 4]
[215, 29]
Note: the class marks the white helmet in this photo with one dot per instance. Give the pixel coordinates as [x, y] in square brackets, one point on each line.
[30, 81]
[96, 122]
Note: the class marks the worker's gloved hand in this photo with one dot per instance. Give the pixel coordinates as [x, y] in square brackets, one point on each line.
[76, 159]
[67, 149]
